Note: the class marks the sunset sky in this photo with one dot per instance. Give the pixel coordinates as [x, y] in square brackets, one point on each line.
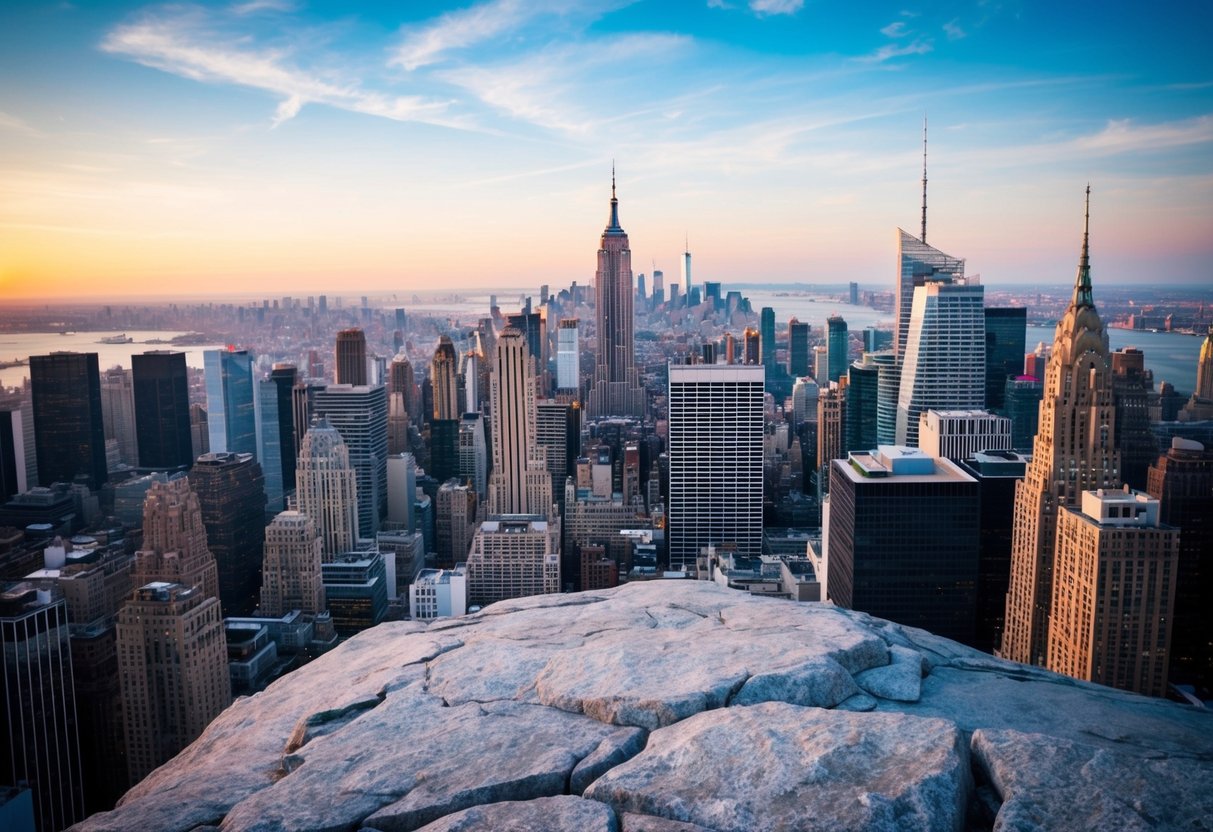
[289, 147]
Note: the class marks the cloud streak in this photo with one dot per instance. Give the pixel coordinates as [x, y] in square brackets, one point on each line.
[185, 43]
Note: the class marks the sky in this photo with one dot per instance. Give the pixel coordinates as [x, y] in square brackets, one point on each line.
[289, 146]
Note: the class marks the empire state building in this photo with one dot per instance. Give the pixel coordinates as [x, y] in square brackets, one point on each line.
[616, 390]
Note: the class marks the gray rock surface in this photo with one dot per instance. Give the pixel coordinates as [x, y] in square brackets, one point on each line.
[544, 814]
[777, 766]
[1047, 783]
[556, 695]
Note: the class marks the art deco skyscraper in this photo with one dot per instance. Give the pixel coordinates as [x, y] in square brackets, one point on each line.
[174, 539]
[616, 390]
[291, 578]
[349, 359]
[1074, 451]
[715, 458]
[326, 488]
[520, 483]
[173, 668]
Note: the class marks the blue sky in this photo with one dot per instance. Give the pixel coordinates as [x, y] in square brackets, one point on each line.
[297, 145]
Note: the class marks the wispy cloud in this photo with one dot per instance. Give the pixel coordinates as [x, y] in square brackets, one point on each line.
[187, 42]
[13, 124]
[254, 6]
[432, 43]
[918, 46]
[953, 30]
[772, 7]
[896, 29]
[1123, 135]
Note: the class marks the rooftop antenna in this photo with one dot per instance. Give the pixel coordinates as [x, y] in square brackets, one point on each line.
[924, 178]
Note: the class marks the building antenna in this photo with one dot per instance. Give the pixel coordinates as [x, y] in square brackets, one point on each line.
[924, 177]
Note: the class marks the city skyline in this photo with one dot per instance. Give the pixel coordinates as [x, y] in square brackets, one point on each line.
[155, 149]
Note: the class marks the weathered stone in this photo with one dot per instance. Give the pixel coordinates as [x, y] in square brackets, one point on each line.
[544, 814]
[1046, 783]
[821, 683]
[405, 724]
[618, 747]
[777, 766]
[631, 822]
[900, 680]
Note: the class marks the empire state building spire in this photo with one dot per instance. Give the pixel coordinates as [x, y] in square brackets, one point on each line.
[1082, 282]
[613, 227]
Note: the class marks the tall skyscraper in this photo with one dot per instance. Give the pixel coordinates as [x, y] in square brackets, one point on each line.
[831, 430]
[901, 540]
[616, 390]
[1132, 389]
[686, 265]
[326, 488]
[474, 454]
[558, 431]
[277, 435]
[862, 392]
[918, 263]
[766, 329]
[751, 351]
[231, 496]
[1204, 369]
[118, 413]
[349, 357]
[1021, 404]
[1113, 591]
[456, 522]
[568, 357]
[39, 744]
[534, 328]
[444, 376]
[1006, 337]
[945, 358]
[173, 669]
[838, 346]
[798, 349]
[1073, 452]
[68, 427]
[360, 415]
[15, 426]
[162, 410]
[230, 404]
[174, 539]
[291, 578]
[1182, 482]
[888, 387]
[520, 482]
[402, 382]
[715, 458]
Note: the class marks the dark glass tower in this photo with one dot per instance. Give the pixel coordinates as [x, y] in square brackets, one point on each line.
[1006, 337]
[162, 410]
[69, 433]
[837, 346]
[231, 494]
[798, 349]
[350, 357]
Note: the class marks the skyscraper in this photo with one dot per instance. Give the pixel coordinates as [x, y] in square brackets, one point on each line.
[360, 415]
[174, 539]
[1006, 337]
[162, 410]
[918, 262]
[1073, 452]
[231, 496]
[15, 425]
[291, 578]
[230, 404]
[68, 428]
[118, 413]
[766, 329]
[1021, 404]
[715, 458]
[326, 488]
[1132, 388]
[568, 357]
[838, 346]
[686, 266]
[1204, 369]
[1182, 482]
[173, 668]
[862, 392]
[39, 744]
[798, 349]
[513, 557]
[534, 328]
[277, 453]
[456, 522]
[474, 454]
[616, 390]
[444, 376]
[901, 540]
[1099, 629]
[520, 482]
[944, 366]
[349, 357]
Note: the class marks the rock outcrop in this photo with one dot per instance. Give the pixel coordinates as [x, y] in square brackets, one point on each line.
[677, 706]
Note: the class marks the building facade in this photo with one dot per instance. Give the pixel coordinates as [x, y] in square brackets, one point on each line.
[327, 488]
[359, 414]
[231, 412]
[231, 497]
[69, 431]
[162, 410]
[513, 557]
